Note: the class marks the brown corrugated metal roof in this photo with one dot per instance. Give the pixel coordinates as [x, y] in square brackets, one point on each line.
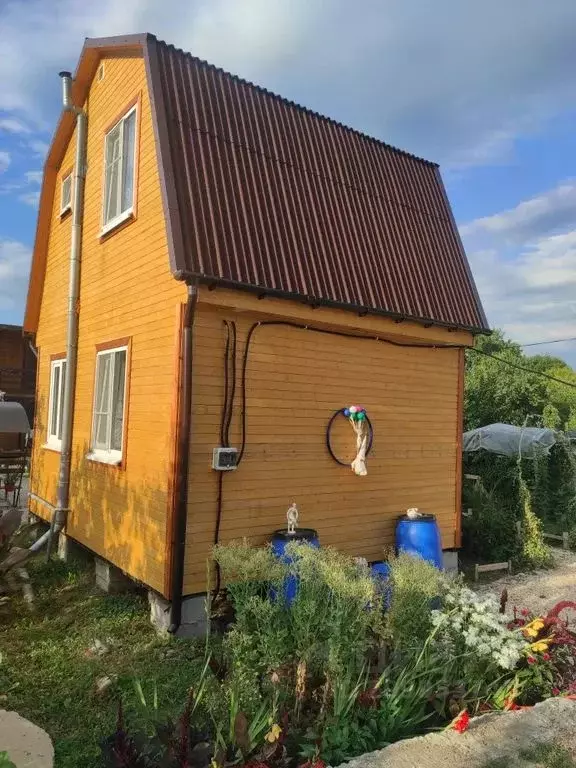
[266, 195]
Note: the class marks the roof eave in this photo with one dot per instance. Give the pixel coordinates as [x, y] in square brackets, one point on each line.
[312, 301]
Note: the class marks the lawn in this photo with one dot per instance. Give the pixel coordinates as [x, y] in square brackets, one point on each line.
[51, 661]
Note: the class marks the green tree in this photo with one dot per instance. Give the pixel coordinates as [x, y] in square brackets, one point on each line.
[496, 392]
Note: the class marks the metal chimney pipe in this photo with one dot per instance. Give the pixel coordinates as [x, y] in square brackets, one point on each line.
[66, 89]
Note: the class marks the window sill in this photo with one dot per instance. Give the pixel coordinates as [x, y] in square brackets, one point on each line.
[115, 223]
[65, 211]
[104, 458]
[56, 447]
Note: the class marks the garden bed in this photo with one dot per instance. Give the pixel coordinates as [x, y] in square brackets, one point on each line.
[328, 676]
[310, 682]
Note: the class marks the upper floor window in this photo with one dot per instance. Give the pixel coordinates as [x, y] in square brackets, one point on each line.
[66, 194]
[109, 407]
[56, 403]
[119, 156]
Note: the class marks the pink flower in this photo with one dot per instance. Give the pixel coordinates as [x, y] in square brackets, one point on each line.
[531, 660]
[525, 612]
[546, 656]
[556, 691]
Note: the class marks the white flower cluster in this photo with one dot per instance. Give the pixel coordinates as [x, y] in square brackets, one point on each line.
[477, 623]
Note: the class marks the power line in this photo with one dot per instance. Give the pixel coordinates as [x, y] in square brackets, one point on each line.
[524, 368]
[553, 341]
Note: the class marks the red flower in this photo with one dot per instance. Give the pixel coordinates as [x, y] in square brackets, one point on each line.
[531, 660]
[556, 691]
[525, 612]
[317, 763]
[461, 722]
[546, 656]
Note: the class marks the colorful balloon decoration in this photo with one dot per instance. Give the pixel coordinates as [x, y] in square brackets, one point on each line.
[355, 413]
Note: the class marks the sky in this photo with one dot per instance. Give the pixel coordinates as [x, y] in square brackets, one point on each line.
[485, 88]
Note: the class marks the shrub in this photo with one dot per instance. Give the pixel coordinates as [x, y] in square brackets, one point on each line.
[535, 553]
[489, 532]
[470, 623]
[335, 612]
[326, 631]
[415, 584]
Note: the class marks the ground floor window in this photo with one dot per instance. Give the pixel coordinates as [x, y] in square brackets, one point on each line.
[109, 405]
[56, 402]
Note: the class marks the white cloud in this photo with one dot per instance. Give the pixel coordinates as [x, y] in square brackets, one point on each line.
[30, 198]
[14, 267]
[39, 147]
[251, 36]
[34, 177]
[525, 269]
[13, 125]
[4, 161]
[551, 211]
[457, 81]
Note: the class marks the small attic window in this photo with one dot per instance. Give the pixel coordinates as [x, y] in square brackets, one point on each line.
[66, 194]
[101, 72]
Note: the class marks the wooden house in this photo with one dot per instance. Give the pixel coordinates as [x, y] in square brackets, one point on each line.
[17, 377]
[247, 269]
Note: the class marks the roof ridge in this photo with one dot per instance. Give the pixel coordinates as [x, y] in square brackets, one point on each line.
[295, 104]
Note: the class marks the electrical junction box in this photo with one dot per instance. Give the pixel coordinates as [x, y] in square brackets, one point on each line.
[224, 459]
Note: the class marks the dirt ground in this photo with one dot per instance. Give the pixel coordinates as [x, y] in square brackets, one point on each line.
[539, 590]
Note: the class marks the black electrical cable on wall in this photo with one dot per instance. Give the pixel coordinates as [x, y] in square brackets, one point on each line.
[230, 384]
[226, 374]
[365, 337]
[326, 331]
[225, 421]
[232, 388]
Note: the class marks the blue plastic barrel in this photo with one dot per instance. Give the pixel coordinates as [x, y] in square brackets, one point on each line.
[420, 536]
[280, 541]
[381, 574]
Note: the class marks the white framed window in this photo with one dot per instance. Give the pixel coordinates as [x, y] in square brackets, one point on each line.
[119, 167]
[109, 405]
[66, 194]
[56, 403]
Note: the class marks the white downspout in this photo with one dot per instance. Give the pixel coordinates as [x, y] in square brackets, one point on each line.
[78, 178]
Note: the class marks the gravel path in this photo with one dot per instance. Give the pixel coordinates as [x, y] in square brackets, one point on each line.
[539, 590]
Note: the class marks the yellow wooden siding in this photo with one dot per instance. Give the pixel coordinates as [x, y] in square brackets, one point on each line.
[126, 291]
[296, 380]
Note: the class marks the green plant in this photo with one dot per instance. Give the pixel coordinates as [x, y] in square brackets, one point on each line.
[172, 744]
[5, 761]
[415, 584]
[335, 617]
[344, 729]
[237, 737]
[489, 526]
[535, 553]
[327, 629]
